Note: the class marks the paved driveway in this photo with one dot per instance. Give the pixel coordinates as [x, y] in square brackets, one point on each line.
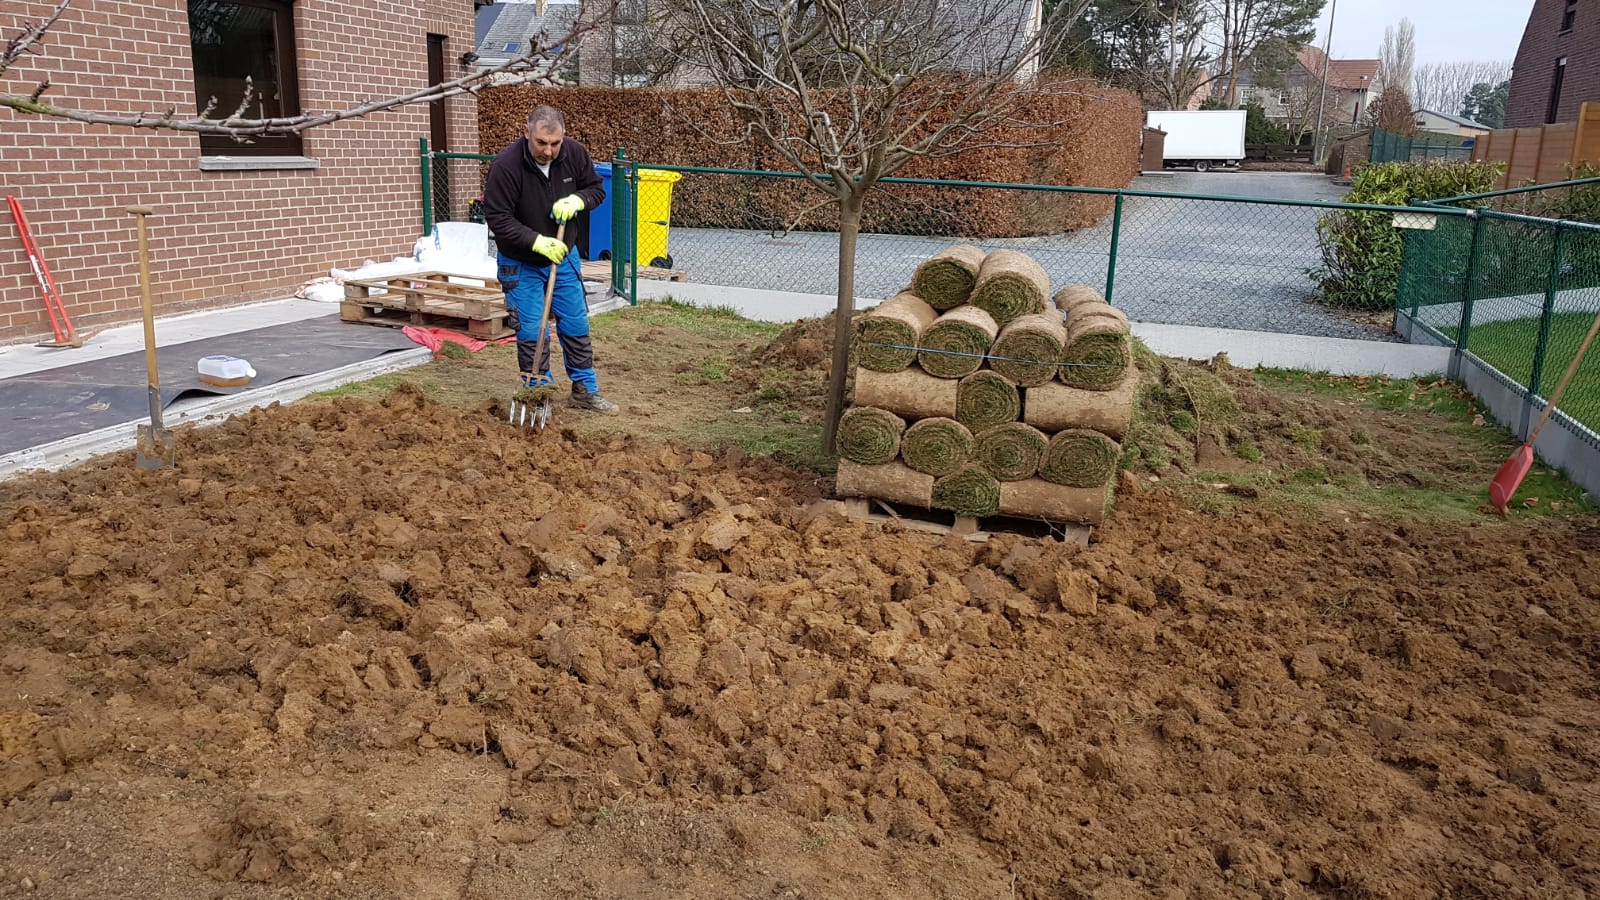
[1180, 261]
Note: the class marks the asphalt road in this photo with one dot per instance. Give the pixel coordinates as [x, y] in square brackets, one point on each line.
[1216, 263]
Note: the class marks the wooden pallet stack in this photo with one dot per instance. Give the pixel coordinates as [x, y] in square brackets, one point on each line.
[427, 299]
[980, 394]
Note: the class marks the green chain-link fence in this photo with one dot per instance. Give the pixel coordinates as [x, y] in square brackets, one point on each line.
[1386, 146]
[1518, 292]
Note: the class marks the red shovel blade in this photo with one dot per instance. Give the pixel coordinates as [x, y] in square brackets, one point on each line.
[1510, 476]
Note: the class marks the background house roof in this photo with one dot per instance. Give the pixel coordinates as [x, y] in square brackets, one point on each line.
[1342, 73]
[1455, 120]
[517, 23]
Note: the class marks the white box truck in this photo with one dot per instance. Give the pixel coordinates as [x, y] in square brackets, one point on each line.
[1202, 138]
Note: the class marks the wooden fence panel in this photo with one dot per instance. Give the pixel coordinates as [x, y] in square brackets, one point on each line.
[1542, 154]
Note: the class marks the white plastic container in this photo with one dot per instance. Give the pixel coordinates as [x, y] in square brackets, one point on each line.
[225, 371]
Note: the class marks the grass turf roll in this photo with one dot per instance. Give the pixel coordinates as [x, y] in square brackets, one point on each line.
[969, 492]
[937, 446]
[1054, 407]
[945, 280]
[1010, 285]
[886, 337]
[1085, 311]
[909, 393]
[1074, 294]
[955, 345]
[891, 481]
[986, 398]
[1009, 452]
[1038, 499]
[1097, 354]
[1079, 457]
[1027, 350]
[869, 436]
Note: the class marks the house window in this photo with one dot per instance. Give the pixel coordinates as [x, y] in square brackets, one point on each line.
[1570, 14]
[512, 47]
[233, 40]
[1284, 98]
[1555, 92]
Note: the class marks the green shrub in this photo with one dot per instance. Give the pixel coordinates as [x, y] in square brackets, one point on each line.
[1361, 249]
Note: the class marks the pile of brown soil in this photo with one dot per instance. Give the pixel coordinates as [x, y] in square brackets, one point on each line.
[395, 649]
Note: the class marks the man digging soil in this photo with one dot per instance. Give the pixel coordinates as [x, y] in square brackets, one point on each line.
[539, 181]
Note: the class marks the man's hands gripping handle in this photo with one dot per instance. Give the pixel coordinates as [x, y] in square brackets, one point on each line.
[550, 248]
[567, 207]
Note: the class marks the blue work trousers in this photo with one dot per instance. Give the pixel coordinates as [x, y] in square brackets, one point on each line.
[524, 285]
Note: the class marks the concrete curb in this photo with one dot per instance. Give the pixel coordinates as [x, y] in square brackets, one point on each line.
[78, 448]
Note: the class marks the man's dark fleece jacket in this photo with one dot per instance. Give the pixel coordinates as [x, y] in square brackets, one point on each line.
[518, 197]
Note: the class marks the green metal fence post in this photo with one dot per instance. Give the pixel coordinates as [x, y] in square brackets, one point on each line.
[427, 188]
[1545, 318]
[621, 226]
[1116, 236]
[633, 236]
[1464, 331]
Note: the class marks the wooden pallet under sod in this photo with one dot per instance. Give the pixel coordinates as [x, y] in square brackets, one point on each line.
[428, 299]
[979, 530]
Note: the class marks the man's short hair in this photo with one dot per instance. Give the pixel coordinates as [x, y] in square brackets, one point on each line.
[545, 117]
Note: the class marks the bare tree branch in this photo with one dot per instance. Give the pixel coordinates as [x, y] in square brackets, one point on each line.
[538, 65]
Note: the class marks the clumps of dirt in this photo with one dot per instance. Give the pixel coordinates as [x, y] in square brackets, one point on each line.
[412, 637]
[792, 368]
[807, 345]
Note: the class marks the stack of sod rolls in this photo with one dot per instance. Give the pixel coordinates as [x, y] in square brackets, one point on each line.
[949, 372]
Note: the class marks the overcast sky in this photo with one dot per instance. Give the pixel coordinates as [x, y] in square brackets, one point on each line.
[1447, 30]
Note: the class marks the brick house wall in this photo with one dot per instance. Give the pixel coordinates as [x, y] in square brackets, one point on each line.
[1533, 72]
[218, 238]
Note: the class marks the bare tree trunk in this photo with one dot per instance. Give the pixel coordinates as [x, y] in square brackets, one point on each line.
[849, 229]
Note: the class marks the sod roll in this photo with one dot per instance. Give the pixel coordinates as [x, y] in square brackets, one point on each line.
[969, 492]
[1085, 311]
[1079, 457]
[955, 345]
[1010, 285]
[886, 338]
[869, 436]
[1055, 407]
[1096, 356]
[1009, 452]
[937, 447]
[987, 398]
[1074, 294]
[1038, 499]
[1027, 350]
[891, 481]
[945, 281]
[909, 393]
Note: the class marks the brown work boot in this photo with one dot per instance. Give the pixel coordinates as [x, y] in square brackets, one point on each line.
[583, 398]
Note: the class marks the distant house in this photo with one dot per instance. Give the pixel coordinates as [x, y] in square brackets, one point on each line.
[1294, 100]
[1444, 123]
[1558, 63]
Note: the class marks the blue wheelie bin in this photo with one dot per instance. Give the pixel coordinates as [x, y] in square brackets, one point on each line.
[600, 218]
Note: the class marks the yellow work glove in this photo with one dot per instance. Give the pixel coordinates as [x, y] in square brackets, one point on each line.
[567, 207]
[549, 248]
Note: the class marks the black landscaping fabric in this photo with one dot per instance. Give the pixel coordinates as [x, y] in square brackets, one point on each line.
[59, 403]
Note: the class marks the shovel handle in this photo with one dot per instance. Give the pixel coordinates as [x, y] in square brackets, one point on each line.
[145, 304]
[1561, 388]
[549, 293]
